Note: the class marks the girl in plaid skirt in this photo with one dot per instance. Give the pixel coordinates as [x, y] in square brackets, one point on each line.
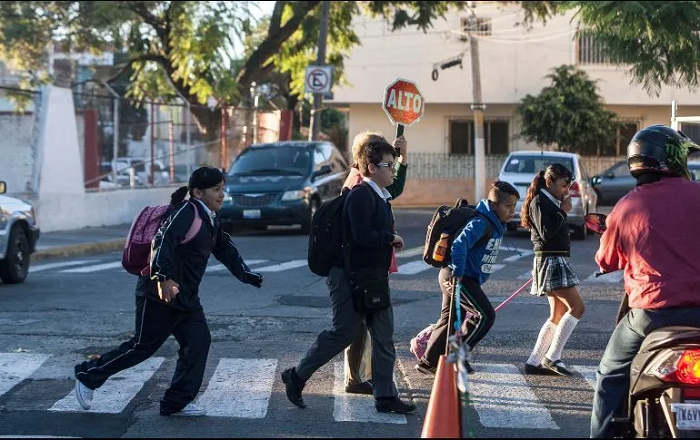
[544, 214]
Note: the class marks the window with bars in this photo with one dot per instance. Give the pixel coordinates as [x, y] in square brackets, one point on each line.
[590, 51]
[691, 129]
[483, 26]
[496, 136]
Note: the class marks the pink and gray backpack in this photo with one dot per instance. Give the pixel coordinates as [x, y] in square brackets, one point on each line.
[137, 249]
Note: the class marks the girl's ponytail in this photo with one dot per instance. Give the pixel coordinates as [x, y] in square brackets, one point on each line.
[178, 196]
[537, 184]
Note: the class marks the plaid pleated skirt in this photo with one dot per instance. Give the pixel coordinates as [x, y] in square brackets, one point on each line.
[551, 273]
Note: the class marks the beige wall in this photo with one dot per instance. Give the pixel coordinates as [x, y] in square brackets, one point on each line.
[431, 133]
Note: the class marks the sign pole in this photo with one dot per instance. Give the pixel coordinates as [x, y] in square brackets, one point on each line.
[315, 123]
[399, 130]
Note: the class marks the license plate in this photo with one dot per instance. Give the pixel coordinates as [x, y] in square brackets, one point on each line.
[251, 213]
[687, 415]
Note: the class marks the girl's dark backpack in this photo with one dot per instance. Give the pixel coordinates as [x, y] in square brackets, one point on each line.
[451, 220]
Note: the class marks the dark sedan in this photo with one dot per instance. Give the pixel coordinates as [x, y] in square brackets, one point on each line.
[282, 183]
[612, 184]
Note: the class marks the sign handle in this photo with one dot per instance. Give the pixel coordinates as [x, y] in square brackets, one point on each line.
[399, 130]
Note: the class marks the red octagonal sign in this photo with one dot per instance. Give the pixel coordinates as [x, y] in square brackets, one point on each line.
[403, 102]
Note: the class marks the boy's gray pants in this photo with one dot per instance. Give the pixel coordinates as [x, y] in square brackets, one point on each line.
[346, 325]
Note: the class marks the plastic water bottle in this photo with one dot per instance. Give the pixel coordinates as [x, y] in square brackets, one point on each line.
[441, 248]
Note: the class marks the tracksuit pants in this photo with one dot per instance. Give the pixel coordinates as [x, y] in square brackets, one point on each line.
[155, 322]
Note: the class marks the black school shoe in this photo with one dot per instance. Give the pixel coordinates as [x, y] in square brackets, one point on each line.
[294, 386]
[393, 405]
[557, 366]
[359, 388]
[537, 370]
[425, 368]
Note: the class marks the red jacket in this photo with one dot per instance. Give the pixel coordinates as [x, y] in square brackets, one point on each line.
[653, 233]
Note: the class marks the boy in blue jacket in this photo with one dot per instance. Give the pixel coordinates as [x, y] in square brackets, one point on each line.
[473, 255]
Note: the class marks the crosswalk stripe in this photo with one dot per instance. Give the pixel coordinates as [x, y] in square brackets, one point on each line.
[219, 267]
[588, 372]
[283, 266]
[410, 252]
[522, 254]
[414, 267]
[613, 277]
[117, 392]
[94, 268]
[357, 407]
[502, 399]
[42, 267]
[240, 388]
[16, 367]
[526, 276]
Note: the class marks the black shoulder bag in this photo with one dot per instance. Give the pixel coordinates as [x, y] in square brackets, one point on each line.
[369, 286]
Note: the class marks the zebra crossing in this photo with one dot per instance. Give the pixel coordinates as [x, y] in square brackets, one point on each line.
[242, 388]
[410, 263]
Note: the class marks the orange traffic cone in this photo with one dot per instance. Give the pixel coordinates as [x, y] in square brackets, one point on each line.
[443, 419]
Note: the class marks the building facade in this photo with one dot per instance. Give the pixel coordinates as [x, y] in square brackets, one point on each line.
[514, 62]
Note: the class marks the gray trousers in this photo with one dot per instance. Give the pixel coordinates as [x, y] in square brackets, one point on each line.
[347, 323]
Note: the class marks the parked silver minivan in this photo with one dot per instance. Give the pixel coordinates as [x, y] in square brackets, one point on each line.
[520, 167]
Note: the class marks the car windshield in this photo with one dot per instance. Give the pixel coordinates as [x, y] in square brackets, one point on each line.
[273, 160]
[694, 171]
[534, 164]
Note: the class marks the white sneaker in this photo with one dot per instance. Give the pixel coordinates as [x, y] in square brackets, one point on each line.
[191, 410]
[83, 394]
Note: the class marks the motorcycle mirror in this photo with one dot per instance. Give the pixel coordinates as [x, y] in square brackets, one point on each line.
[595, 222]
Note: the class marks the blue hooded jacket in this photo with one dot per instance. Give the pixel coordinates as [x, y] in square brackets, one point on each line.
[478, 262]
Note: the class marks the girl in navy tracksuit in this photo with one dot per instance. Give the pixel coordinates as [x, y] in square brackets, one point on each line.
[473, 255]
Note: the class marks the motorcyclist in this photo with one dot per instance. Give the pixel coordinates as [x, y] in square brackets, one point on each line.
[652, 234]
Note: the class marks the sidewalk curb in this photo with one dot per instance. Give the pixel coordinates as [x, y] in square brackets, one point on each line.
[78, 249]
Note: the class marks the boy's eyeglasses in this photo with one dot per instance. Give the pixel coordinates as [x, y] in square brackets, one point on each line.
[385, 164]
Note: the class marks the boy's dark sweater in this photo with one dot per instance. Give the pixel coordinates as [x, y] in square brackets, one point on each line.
[369, 225]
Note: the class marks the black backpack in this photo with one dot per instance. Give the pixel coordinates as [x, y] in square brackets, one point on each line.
[451, 220]
[326, 237]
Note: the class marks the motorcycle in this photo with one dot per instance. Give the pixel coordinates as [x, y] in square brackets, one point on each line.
[664, 395]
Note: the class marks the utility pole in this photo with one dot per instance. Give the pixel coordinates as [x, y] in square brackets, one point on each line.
[478, 107]
[321, 60]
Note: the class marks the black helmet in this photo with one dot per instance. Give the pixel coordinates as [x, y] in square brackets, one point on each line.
[659, 149]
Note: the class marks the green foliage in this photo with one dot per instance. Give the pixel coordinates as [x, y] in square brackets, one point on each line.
[568, 113]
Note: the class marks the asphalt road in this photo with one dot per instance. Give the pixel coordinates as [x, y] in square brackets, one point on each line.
[71, 308]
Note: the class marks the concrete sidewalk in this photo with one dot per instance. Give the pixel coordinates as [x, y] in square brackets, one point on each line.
[80, 241]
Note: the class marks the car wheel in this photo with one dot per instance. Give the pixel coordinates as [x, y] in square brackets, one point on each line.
[15, 266]
[306, 226]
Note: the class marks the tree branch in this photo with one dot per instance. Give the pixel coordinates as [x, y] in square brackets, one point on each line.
[272, 44]
[276, 19]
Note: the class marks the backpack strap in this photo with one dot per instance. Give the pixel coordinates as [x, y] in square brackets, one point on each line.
[195, 226]
[487, 235]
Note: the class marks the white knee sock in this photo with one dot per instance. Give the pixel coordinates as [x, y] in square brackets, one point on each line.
[564, 329]
[543, 342]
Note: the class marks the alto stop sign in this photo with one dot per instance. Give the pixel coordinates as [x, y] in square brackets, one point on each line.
[403, 102]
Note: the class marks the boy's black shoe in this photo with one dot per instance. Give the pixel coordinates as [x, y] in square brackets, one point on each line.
[469, 368]
[359, 388]
[393, 405]
[294, 387]
[425, 368]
